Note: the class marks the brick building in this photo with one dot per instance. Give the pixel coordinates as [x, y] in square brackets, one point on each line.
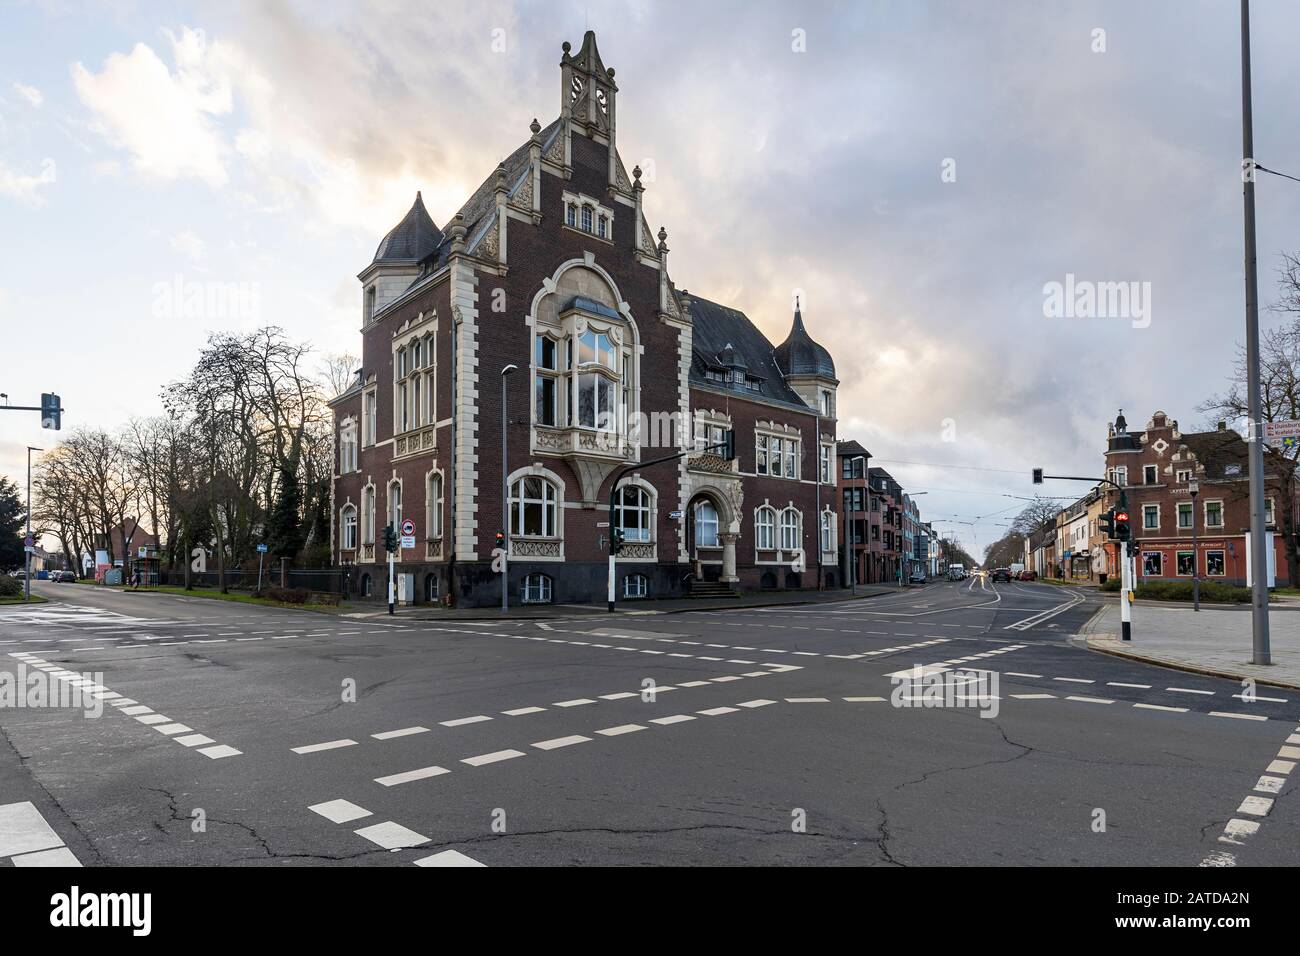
[1154, 467]
[551, 267]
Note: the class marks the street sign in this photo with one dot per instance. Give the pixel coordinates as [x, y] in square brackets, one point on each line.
[676, 515]
[1281, 430]
[262, 549]
[28, 541]
[408, 530]
[408, 540]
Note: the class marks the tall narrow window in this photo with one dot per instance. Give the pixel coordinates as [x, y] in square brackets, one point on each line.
[433, 496]
[545, 361]
[395, 504]
[632, 513]
[828, 538]
[368, 515]
[586, 219]
[789, 529]
[532, 508]
[348, 540]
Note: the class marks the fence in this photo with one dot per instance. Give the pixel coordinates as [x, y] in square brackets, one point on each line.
[322, 580]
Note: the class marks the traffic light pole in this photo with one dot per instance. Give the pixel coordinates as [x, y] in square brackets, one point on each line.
[728, 449]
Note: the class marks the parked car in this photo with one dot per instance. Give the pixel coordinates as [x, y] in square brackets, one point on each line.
[918, 577]
[1028, 575]
[1001, 574]
[67, 576]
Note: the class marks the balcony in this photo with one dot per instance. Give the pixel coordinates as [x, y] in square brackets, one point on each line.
[584, 442]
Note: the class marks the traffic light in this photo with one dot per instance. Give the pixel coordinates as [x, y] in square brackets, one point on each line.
[1038, 476]
[390, 538]
[1122, 531]
[501, 540]
[616, 541]
[51, 411]
[1106, 523]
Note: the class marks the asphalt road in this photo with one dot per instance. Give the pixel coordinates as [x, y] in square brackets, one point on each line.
[760, 736]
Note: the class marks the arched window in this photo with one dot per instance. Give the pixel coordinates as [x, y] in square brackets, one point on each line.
[532, 508]
[433, 498]
[431, 588]
[706, 524]
[828, 532]
[536, 589]
[395, 504]
[635, 586]
[790, 537]
[586, 219]
[368, 515]
[348, 529]
[765, 529]
[365, 585]
[632, 513]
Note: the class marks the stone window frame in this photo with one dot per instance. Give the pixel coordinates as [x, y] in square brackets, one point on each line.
[434, 505]
[415, 389]
[369, 502]
[1151, 527]
[556, 482]
[651, 511]
[1205, 512]
[786, 434]
[545, 588]
[349, 436]
[349, 508]
[1179, 512]
[579, 209]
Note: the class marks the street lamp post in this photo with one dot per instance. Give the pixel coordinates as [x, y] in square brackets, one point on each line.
[1193, 488]
[505, 493]
[27, 554]
[1255, 439]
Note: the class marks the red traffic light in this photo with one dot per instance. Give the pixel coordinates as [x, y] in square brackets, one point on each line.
[1121, 516]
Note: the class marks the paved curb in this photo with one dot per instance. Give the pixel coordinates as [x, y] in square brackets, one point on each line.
[1094, 643]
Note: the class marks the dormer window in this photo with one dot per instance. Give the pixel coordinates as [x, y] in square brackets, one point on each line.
[587, 214]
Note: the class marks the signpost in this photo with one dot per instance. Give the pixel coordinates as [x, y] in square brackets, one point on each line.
[261, 550]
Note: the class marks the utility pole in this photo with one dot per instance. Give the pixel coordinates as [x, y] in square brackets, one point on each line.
[1255, 440]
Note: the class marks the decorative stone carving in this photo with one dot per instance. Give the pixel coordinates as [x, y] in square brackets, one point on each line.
[713, 464]
[640, 550]
[490, 246]
[534, 548]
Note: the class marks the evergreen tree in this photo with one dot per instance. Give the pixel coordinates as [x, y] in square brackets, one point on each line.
[284, 532]
[12, 516]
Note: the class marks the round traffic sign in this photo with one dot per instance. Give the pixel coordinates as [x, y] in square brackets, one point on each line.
[408, 527]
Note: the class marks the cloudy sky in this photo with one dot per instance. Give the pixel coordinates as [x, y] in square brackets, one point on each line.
[918, 171]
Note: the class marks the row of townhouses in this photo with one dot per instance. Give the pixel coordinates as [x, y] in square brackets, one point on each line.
[1179, 486]
[884, 539]
[533, 357]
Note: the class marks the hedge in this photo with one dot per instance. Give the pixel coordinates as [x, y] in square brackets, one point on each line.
[1211, 591]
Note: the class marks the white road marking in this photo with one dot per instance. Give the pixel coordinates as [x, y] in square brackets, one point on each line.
[559, 742]
[1224, 713]
[574, 703]
[462, 721]
[404, 732]
[392, 836]
[193, 740]
[1074, 680]
[674, 719]
[495, 757]
[520, 711]
[717, 711]
[1034, 696]
[328, 745]
[23, 830]
[1176, 710]
[859, 700]
[423, 773]
[222, 750]
[1256, 806]
[448, 858]
[1091, 700]
[620, 730]
[339, 811]
[1186, 690]
[1238, 829]
[1115, 683]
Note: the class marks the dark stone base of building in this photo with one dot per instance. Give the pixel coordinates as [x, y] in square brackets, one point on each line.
[569, 582]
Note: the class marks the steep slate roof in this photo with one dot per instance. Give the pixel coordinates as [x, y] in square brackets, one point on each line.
[800, 355]
[1218, 449]
[718, 326]
[851, 448]
[411, 239]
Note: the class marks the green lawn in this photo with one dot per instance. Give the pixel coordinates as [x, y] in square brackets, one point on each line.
[240, 597]
[36, 599]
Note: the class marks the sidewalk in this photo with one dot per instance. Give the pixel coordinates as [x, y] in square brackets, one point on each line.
[1216, 641]
[550, 612]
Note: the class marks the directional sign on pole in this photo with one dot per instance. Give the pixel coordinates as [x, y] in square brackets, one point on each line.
[262, 549]
[1276, 431]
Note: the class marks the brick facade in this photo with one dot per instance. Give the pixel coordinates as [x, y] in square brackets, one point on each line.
[551, 267]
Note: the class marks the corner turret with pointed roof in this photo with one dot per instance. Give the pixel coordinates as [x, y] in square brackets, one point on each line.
[397, 260]
[808, 366]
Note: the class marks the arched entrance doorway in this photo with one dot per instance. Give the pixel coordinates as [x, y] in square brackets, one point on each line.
[710, 538]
